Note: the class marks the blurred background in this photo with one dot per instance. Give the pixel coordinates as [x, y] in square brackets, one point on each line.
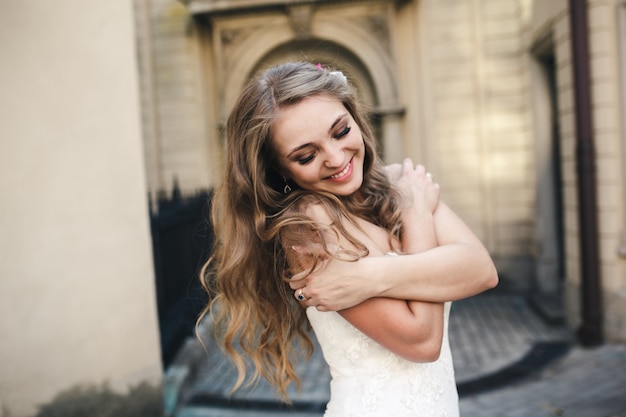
[111, 118]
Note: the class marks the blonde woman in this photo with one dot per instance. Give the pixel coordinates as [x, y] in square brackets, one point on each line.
[305, 195]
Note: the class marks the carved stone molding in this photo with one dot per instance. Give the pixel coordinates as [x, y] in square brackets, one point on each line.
[356, 34]
[378, 24]
[231, 39]
[300, 16]
[230, 36]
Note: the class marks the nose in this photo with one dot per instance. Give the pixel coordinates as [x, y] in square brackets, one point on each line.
[334, 156]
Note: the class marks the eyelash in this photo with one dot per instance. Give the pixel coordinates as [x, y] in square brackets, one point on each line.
[343, 133]
[305, 160]
[338, 136]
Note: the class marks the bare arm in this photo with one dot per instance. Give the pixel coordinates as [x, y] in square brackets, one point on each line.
[459, 267]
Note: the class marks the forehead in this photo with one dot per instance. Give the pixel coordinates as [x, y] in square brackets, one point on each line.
[307, 119]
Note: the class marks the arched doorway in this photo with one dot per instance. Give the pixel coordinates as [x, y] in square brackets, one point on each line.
[353, 37]
[547, 288]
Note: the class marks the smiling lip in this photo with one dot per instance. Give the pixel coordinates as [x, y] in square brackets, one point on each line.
[343, 175]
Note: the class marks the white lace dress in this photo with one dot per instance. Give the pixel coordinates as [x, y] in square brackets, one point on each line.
[370, 381]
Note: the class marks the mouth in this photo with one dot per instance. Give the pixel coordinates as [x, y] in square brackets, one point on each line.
[343, 174]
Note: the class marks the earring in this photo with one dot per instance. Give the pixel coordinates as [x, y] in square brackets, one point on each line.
[287, 188]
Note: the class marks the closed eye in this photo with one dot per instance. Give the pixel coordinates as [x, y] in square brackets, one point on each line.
[343, 132]
[305, 160]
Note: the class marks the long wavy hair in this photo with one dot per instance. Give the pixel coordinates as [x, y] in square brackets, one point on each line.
[255, 316]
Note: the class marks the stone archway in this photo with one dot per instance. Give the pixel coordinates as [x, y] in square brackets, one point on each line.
[330, 55]
[354, 37]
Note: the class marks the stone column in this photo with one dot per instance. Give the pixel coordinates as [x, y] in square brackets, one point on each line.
[391, 131]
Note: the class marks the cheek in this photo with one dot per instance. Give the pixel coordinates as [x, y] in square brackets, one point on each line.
[357, 139]
[305, 176]
[300, 174]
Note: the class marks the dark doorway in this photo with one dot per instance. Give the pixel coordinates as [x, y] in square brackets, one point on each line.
[182, 240]
[547, 290]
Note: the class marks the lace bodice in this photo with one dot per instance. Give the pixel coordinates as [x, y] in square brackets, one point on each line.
[370, 381]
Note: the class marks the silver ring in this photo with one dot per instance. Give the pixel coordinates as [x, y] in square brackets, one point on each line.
[299, 295]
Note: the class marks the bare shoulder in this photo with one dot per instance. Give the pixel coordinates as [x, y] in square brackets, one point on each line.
[317, 207]
[318, 212]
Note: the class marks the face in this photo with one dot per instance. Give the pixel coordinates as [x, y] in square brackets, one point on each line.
[319, 146]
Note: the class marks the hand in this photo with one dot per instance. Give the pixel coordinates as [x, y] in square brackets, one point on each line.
[420, 194]
[334, 285]
[394, 171]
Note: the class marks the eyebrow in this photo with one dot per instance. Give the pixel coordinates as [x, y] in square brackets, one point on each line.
[332, 126]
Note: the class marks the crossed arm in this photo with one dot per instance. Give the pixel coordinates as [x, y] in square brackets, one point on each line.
[457, 268]
[411, 329]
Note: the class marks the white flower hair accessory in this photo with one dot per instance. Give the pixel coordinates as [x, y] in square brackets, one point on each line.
[339, 74]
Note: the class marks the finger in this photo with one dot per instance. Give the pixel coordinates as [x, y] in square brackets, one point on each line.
[297, 281]
[307, 249]
[407, 166]
[302, 278]
[394, 171]
[434, 189]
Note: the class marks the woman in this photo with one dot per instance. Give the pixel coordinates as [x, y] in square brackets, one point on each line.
[305, 195]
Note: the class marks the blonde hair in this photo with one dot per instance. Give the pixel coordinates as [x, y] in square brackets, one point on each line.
[255, 315]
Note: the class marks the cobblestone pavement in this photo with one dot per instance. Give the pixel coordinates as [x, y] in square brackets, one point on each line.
[585, 383]
[508, 363]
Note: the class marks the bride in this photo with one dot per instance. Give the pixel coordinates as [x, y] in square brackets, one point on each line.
[305, 195]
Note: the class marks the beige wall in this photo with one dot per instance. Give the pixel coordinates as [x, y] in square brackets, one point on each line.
[476, 134]
[77, 301]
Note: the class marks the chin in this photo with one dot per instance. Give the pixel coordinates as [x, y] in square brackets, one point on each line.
[349, 190]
